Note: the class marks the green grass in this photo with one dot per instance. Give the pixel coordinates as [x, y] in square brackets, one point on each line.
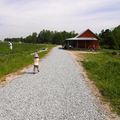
[19, 57]
[104, 69]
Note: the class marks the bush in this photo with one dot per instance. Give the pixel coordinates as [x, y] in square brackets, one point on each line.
[114, 53]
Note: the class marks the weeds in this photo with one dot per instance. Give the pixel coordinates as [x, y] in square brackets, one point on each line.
[104, 69]
[19, 57]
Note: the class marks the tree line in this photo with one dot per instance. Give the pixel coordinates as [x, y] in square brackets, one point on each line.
[109, 39]
[45, 36]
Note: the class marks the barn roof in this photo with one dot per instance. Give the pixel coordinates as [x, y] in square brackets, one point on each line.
[80, 36]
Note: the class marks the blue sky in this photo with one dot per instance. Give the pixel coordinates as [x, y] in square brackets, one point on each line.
[19, 18]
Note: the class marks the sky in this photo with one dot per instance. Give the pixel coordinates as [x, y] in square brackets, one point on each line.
[20, 18]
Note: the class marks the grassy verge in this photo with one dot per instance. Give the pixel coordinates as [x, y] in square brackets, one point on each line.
[19, 57]
[104, 70]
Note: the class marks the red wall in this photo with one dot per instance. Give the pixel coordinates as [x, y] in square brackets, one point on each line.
[87, 44]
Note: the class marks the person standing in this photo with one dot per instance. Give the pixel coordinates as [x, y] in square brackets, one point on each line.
[36, 62]
[10, 45]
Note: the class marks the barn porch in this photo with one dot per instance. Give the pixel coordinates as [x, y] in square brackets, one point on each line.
[83, 44]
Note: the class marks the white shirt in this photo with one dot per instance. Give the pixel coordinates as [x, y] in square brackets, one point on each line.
[36, 61]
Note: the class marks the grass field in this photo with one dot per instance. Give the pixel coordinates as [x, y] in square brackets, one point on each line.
[19, 57]
[104, 70]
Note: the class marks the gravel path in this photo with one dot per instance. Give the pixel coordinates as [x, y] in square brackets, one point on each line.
[57, 92]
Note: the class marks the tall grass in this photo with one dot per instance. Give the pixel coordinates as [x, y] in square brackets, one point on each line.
[104, 69]
[19, 57]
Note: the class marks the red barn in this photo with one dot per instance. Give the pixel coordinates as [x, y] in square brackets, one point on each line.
[86, 40]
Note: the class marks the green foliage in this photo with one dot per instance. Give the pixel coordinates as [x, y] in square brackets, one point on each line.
[45, 36]
[19, 57]
[116, 33]
[31, 38]
[110, 39]
[104, 69]
[54, 37]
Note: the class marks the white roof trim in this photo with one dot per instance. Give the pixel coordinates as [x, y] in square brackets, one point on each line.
[82, 38]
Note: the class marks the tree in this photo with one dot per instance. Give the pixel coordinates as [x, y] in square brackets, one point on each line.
[31, 38]
[116, 33]
[110, 38]
[34, 37]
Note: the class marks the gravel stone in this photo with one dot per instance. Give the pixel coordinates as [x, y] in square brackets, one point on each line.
[57, 92]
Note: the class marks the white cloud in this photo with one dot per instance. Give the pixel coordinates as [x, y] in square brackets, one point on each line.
[20, 18]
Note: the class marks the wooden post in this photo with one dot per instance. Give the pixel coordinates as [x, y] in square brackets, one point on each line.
[85, 44]
[77, 43]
